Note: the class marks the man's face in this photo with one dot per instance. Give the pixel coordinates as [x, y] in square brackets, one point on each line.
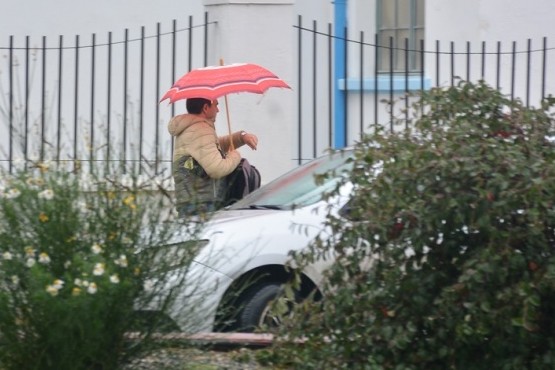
[210, 111]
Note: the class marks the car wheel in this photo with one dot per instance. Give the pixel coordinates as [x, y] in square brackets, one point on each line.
[256, 308]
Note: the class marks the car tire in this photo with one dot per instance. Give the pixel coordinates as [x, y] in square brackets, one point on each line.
[255, 307]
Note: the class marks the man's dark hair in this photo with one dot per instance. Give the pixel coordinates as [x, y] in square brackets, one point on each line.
[195, 105]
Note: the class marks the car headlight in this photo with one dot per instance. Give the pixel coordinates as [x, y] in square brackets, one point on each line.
[172, 256]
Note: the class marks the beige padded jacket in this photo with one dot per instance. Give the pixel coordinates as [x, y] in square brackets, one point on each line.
[196, 137]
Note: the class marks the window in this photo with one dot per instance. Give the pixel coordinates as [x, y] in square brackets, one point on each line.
[399, 22]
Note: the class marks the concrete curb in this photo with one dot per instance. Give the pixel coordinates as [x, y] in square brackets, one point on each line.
[217, 339]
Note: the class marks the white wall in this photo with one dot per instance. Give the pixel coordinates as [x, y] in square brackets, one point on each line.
[37, 18]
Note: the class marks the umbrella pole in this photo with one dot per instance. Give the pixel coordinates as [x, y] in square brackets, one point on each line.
[227, 116]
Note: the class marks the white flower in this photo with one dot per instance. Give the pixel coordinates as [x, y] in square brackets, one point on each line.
[44, 258]
[58, 284]
[121, 261]
[29, 251]
[46, 194]
[148, 285]
[92, 288]
[53, 291]
[114, 279]
[67, 264]
[15, 279]
[78, 282]
[96, 249]
[98, 269]
[7, 256]
[30, 262]
[12, 194]
[55, 287]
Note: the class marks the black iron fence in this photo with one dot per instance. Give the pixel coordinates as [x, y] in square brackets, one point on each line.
[98, 99]
[366, 90]
[94, 99]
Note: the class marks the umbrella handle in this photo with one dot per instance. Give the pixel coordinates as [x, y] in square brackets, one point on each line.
[232, 146]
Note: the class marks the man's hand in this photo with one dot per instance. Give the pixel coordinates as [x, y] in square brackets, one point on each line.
[251, 140]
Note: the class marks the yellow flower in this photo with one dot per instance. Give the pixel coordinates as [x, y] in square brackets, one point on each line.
[43, 167]
[43, 217]
[130, 201]
[76, 291]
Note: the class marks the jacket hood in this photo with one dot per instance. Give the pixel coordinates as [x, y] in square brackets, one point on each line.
[179, 123]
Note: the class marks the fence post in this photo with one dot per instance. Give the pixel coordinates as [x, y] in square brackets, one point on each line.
[260, 32]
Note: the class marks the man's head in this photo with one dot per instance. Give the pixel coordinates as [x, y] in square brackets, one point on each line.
[203, 107]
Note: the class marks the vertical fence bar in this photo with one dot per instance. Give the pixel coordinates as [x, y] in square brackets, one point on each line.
[60, 78]
[314, 87]
[93, 71]
[330, 85]
[452, 54]
[498, 76]
[27, 94]
[468, 61]
[205, 38]
[300, 89]
[391, 74]
[483, 69]
[190, 55]
[346, 93]
[43, 100]
[76, 101]
[141, 95]
[528, 61]
[125, 82]
[109, 101]
[406, 82]
[544, 65]
[361, 84]
[377, 51]
[422, 68]
[173, 72]
[437, 63]
[157, 106]
[513, 67]
[173, 66]
[10, 108]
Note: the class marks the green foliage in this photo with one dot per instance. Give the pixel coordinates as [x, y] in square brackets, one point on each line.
[80, 256]
[448, 261]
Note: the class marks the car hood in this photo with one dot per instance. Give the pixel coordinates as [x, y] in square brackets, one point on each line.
[240, 240]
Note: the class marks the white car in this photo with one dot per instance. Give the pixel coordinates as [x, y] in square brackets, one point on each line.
[241, 266]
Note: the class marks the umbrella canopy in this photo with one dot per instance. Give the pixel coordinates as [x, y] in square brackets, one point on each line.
[214, 82]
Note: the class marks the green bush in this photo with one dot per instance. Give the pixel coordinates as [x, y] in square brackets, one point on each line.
[80, 255]
[448, 261]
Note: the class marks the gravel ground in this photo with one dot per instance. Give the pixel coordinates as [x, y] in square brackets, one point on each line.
[198, 359]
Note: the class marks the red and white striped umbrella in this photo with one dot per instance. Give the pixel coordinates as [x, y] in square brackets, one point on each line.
[214, 82]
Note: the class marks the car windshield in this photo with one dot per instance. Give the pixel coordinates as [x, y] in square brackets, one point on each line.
[298, 187]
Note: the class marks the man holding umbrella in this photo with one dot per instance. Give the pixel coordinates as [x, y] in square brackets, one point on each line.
[201, 159]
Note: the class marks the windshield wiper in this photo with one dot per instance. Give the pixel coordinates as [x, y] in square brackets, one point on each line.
[264, 206]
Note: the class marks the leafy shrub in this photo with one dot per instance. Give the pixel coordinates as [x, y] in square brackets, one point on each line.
[80, 255]
[448, 261]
